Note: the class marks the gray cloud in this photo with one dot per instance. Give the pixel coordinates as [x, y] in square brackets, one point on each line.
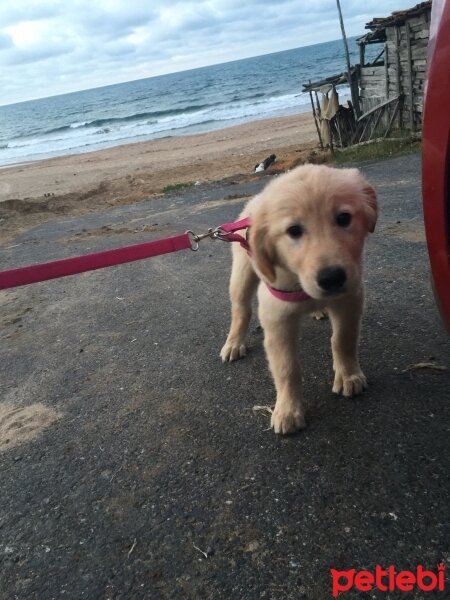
[18, 56]
[55, 46]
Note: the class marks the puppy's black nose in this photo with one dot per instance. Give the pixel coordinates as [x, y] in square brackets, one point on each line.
[331, 279]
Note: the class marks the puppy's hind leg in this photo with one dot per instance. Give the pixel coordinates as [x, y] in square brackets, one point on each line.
[319, 315]
[243, 284]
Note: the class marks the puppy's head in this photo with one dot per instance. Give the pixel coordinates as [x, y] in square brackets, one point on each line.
[313, 222]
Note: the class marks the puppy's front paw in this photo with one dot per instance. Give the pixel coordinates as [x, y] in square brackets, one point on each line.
[287, 419]
[349, 385]
[232, 350]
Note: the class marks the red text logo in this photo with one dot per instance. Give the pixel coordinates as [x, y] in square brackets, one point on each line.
[388, 580]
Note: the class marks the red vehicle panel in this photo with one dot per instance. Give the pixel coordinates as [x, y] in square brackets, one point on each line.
[436, 155]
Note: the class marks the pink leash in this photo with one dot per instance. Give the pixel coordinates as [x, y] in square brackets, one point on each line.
[90, 262]
[98, 260]
[117, 256]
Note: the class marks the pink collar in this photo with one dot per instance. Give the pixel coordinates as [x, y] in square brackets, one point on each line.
[295, 296]
[229, 235]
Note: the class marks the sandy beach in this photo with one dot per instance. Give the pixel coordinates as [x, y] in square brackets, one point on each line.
[39, 191]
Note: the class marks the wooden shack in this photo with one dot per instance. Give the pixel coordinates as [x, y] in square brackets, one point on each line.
[389, 87]
[400, 68]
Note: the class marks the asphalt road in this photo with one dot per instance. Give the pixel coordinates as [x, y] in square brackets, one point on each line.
[157, 458]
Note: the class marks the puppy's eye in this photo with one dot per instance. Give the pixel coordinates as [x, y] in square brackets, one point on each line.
[295, 231]
[343, 219]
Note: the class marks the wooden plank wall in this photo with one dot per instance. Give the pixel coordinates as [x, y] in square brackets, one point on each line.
[378, 84]
[373, 90]
[373, 87]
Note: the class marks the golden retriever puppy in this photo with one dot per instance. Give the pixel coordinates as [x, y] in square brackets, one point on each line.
[307, 233]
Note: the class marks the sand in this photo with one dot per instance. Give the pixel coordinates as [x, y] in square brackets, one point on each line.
[42, 190]
[21, 424]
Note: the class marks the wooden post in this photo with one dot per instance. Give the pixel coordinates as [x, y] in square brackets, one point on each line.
[331, 138]
[411, 76]
[362, 48]
[399, 73]
[319, 112]
[315, 117]
[355, 89]
[355, 100]
[386, 69]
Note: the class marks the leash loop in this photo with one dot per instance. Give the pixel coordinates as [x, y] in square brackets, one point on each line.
[193, 238]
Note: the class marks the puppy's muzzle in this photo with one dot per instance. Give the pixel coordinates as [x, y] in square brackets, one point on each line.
[332, 279]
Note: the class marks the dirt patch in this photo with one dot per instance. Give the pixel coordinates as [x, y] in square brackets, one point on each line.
[19, 215]
[228, 200]
[13, 314]
[19, 425]
[109, 231]
[14, 317]
[410, 231]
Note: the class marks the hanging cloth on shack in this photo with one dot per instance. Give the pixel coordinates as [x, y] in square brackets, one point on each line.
[330, 106]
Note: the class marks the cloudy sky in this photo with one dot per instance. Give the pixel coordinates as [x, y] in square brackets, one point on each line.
[51, 47]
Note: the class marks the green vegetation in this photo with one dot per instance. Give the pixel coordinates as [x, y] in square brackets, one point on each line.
[174, 187]
[383, 148]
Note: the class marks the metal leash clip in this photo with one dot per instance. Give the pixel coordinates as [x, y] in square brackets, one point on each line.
[215, 233]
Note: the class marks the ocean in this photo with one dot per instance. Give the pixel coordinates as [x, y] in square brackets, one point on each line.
[187, 102]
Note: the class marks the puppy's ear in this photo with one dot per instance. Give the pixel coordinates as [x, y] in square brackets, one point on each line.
[371, 207]
[261, 248]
